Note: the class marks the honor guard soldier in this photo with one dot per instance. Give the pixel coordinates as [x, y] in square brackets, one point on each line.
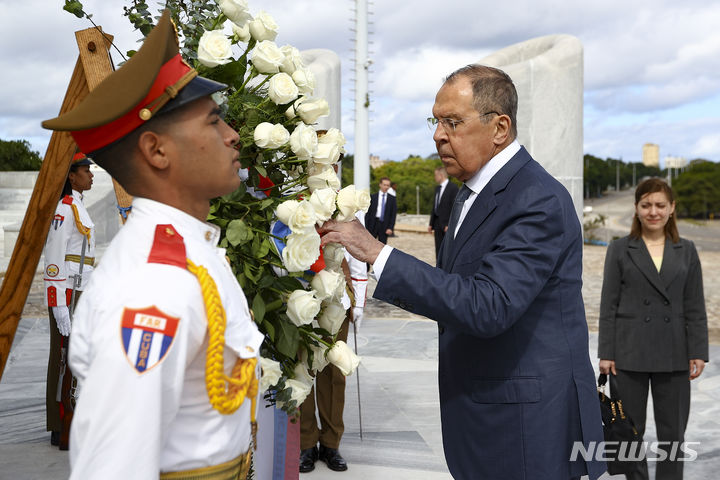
[163, 344]
[70, 243]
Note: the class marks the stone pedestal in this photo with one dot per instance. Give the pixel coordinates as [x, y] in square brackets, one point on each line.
[548, 74]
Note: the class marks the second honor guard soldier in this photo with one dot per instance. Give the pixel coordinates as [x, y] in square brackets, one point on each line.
[163, 343]
[71, 238]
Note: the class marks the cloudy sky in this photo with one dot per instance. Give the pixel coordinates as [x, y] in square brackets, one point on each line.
[652, 67]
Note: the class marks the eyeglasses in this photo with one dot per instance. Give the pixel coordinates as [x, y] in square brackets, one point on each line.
[450, 124]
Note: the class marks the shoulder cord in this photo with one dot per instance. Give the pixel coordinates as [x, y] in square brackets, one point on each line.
[81, 228]
[226, 393]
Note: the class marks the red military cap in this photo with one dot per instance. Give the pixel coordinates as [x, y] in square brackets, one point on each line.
[155, 80]
[80, 159]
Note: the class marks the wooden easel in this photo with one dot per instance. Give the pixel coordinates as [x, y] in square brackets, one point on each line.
[92, 66]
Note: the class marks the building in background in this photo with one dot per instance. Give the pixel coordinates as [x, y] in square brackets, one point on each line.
[675, 162]
[651, 155]
[375, 161]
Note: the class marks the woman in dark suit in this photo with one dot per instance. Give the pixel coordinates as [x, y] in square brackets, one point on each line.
[653, 327]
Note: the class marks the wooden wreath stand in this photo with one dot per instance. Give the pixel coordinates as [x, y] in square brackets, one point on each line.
[92, 66]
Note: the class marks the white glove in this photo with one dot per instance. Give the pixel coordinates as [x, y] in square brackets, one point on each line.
[62, 317]
[357, 316]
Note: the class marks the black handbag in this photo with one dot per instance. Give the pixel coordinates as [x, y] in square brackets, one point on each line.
[624, 447]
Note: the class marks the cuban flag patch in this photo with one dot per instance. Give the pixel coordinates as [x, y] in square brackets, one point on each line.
[147, 335]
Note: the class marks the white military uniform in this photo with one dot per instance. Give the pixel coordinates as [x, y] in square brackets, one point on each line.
[64, 239]
[138, 347]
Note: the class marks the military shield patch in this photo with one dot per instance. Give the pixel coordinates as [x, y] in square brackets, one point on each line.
[147, 335]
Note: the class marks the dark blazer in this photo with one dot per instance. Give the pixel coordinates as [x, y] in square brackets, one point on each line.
[650, 321]
[373, 224]
[516, 384]
[440, 216]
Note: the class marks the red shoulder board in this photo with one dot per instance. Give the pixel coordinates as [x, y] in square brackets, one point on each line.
[168, 247]
[67, 199]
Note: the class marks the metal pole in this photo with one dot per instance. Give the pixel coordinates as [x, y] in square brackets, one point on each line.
[357, 376]
[634, 177]
[617, 175]
[417, 199]
[361, 172]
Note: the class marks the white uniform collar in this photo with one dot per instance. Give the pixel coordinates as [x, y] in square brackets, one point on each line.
[186, 224]
[77, 195]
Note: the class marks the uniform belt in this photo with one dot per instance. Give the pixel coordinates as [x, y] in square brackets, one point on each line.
[76, 258]
[236, 469]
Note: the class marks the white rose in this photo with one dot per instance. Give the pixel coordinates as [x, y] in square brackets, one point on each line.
[327, 154]
[286, 210]
[303, 218]
[328, 285]
[267, 135]
[271, 373]
[290, 112]
[282, 89]
[263, 27]
[301, 251]
[235, 10]
[342, 357]
[241, 32]
[333, 253]
[214, 49]
[332, 316]
[311, 110]
[319, 361]
[333, 136]
[323, 201]
[303, 141]
[293, 60]
[304, 79]
[347, 204]
[302, 307]
[302, 375]
[298, 391]
[324, 178]
[267, 57]
[362, 199]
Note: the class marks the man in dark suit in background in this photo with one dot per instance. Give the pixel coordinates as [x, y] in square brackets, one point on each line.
[443, 200]
[517, 390]
[380, 217]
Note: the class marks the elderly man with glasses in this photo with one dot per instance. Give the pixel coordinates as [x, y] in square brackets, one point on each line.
[517, 390]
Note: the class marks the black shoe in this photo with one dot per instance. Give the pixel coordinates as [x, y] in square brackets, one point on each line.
[332, 457]
[308, 457]
[55, 438]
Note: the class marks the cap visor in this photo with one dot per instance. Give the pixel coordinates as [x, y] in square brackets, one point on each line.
[197, 88]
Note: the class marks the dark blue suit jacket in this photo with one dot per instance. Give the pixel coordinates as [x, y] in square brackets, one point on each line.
[516, 384]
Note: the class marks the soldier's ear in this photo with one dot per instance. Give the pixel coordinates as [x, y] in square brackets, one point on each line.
[154, 148]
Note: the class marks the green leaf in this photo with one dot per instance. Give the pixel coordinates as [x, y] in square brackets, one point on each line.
[269, 329]
[74, 7]
[238, 233]
[258, 307]
[288, 338]
[261, 170]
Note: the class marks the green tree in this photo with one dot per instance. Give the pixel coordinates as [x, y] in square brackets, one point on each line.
[15, 156]
[412, 172]
[697, 190]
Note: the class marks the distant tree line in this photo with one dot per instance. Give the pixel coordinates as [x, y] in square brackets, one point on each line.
[697, 189]
[16, 155]
[600, 175]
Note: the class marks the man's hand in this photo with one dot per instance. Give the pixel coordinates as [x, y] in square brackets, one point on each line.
[697, 366]
[607, 367]
[388, 232]
[430, 230]
[62, 318]
[354, 237]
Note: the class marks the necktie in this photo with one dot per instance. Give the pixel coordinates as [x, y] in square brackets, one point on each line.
[462, 195]
[437, 197]
[382, 207]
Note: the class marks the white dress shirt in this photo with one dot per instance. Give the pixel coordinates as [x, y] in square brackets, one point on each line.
[476, 183]
[135, 424]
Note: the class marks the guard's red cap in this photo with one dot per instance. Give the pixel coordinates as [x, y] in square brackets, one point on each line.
[154, 78]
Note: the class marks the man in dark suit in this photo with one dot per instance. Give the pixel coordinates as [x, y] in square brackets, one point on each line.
[443, 200]
[380, 217]
[517, 390]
